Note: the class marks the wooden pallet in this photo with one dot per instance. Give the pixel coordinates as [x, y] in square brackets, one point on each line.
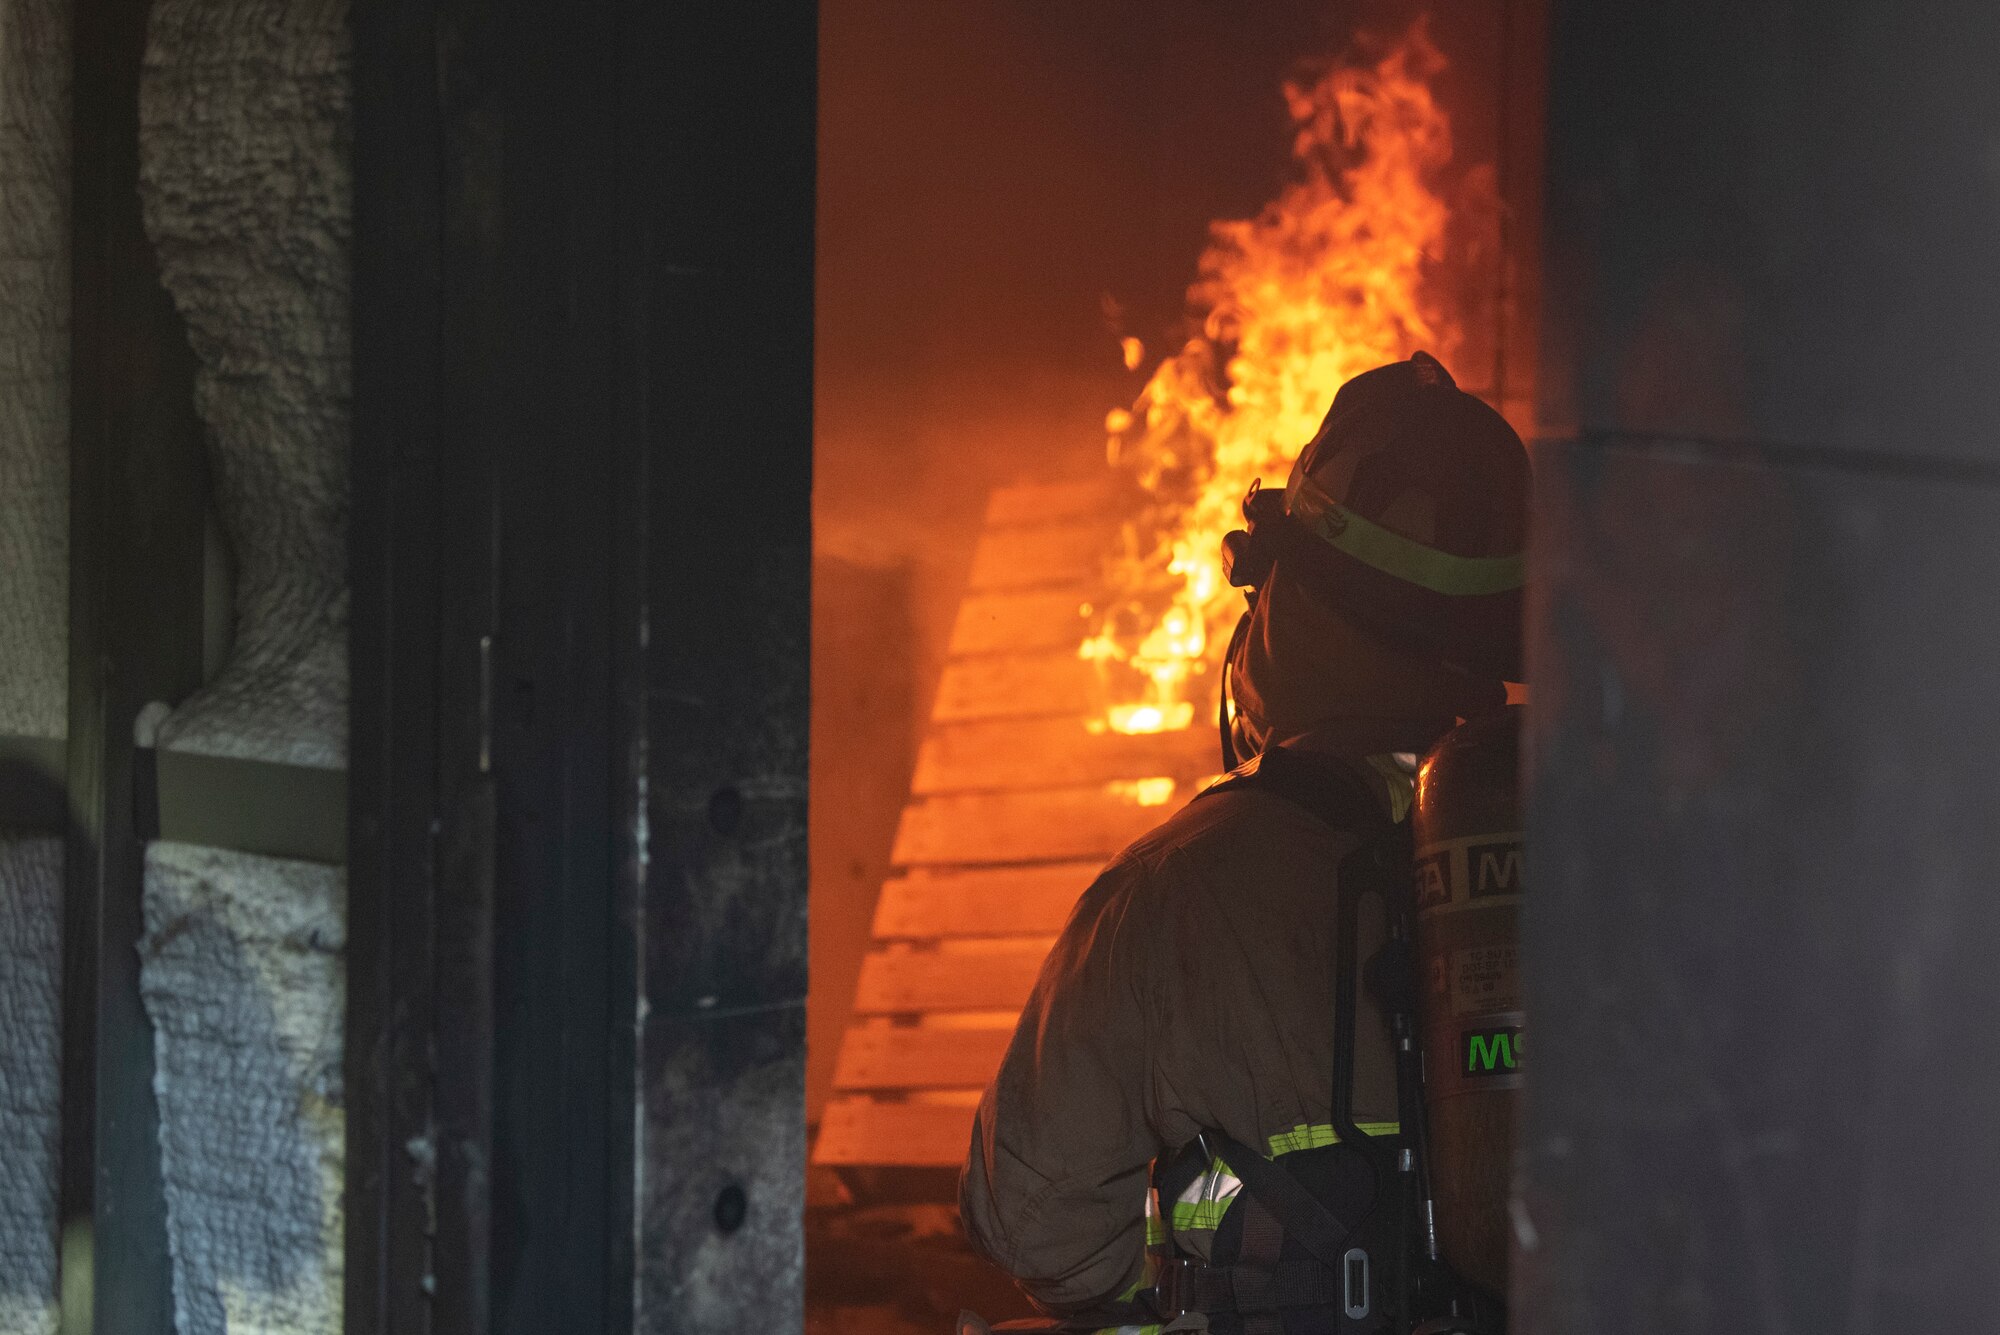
[1016, 802]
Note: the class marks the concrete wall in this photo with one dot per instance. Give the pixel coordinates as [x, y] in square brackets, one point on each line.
[245, 184]
[34, 616]
[1766, 738]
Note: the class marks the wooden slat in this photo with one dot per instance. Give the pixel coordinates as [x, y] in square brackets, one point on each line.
[1060, 825]
[996, 975]
[1053, 502]
[1050, 753]
[881, 1056]
[1021, 558]
[1014, 686]
[998, 901]
[858, 1130]
[1013, 623]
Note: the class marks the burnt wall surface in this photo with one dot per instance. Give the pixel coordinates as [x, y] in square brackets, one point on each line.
[1765, 739]
[34, 615]
[582, 481]
[721, 1174]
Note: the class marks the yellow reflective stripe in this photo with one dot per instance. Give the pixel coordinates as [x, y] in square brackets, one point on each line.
[1393, 554]
[1316, 1136]
[1201, 1214]
[1156, 1231]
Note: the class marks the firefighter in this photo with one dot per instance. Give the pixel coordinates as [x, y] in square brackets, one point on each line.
[1180, 1026]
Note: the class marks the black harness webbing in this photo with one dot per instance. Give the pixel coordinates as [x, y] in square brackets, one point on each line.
[1303, 1217]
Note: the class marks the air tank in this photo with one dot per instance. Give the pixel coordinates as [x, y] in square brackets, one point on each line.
[1471, 873]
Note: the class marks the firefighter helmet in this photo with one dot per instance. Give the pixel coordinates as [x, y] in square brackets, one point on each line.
[1407, 513]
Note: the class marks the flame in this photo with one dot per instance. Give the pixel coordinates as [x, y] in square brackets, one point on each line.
[1324, 283]
[1153, 792]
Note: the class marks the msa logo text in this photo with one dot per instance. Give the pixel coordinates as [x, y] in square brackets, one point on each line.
[1496, 869]
[1434, 880]
[1492, 1051]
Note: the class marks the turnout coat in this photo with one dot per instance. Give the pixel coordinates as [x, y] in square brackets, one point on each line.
[1192, 989]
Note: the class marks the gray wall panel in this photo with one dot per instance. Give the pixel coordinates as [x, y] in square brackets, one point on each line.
[1765, 747]
[1776, 221]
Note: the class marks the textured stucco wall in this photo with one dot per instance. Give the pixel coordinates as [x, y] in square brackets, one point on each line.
[241, 972]
[34, 616]
[244, 176]
[34, 365]
[245, 183]
[30, 1070]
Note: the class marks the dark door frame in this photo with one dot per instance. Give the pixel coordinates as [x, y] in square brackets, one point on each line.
[580, 564]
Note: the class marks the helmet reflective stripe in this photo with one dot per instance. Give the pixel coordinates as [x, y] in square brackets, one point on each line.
[1400, 557]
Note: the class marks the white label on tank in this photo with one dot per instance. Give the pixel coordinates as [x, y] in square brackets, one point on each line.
[1485, 979]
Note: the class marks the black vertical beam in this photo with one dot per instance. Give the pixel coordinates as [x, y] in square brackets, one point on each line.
[722, 182]
[395, 559]
[496, 523]
[583, 338]
[550, 394]
[137, 496]
[428, 319]
[477, 117]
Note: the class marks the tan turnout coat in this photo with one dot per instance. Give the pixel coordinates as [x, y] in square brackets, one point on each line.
[1191, 988]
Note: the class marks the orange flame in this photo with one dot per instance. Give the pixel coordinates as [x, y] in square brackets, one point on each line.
[1150, 792]
[1325, 283]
